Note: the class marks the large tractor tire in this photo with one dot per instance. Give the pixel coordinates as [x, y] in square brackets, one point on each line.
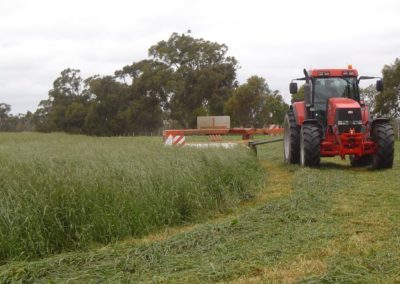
[383, 135]
[291, 140]
[310, 140]
[362, 161]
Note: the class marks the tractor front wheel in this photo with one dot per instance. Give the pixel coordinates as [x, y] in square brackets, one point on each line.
[310, 139]
[291, 140]
[383, 135]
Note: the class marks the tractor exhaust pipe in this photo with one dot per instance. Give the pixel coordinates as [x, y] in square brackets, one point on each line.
[306, 74]
[308, 101]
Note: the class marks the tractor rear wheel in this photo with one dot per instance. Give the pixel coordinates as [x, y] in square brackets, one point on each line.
[291, 141]
[310, 139]
[383, 135]
[361, 161]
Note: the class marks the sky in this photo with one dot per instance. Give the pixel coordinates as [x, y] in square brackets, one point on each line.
[272, 39]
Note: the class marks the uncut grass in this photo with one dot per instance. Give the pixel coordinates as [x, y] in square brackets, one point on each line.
[339, 224]
[63, 192]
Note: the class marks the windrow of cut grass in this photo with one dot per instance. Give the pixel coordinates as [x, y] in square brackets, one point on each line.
[63, 192]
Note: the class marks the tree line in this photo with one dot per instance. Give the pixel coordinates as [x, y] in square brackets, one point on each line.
[19, 122]
[182, 78]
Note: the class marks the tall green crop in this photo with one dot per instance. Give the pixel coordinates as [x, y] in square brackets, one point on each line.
[61, 192]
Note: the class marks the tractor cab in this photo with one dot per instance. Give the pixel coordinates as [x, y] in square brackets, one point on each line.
[322, 85]
[324, 88]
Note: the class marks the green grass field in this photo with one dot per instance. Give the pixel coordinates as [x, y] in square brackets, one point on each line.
[334, 224]
[64, 192]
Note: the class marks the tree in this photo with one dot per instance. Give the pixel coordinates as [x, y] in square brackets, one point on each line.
[203, 76]
[6, 120]
[65, 109]
[151, 79]
[24, 122]
[109, 100]
[40, 118]
[254, 105]
[4, 116]
[369, 94]
[276, 108]
[149, 89]
[9, 122]
[299, 96]
[107, 105]
[388, 102]
[75, 115]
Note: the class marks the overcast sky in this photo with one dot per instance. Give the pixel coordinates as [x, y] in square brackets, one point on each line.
[272, 39]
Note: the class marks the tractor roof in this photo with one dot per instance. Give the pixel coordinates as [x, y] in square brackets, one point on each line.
[349, 72]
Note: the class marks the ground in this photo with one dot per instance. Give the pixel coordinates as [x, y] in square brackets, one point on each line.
[331, 224]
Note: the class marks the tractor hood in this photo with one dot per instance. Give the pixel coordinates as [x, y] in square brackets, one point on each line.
[343, 103]
[345, 114]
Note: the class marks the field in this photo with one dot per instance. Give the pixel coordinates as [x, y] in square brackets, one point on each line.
[332, 224]
[63, 192]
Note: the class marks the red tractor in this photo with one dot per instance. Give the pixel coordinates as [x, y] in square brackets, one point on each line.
[333, 120]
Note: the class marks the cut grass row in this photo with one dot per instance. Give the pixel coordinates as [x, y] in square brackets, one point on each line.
[335, 224]
[63, 192]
